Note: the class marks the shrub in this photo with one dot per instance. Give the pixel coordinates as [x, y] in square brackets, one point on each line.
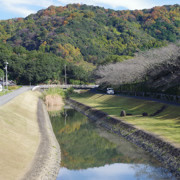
[69, 92]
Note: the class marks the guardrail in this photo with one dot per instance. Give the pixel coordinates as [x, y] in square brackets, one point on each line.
[68, 86]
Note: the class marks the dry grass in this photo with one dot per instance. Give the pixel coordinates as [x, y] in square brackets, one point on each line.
[19, 135]
[54, 102]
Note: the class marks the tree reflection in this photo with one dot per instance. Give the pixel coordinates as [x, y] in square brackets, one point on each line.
[83, 147]
[151, 172]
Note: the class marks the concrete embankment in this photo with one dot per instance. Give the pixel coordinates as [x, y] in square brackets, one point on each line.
[163, 151]
[46, 163]
[28, 147]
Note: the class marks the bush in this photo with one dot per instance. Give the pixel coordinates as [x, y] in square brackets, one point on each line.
[75, 82]
[69, 92]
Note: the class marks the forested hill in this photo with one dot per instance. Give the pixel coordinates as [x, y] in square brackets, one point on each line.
[85, 35]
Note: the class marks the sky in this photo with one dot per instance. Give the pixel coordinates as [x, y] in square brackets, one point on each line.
[22, 8]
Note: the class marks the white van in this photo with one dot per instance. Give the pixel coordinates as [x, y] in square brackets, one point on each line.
[110, 91]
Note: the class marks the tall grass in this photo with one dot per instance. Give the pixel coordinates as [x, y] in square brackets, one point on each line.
[57, 91]
[53, 91]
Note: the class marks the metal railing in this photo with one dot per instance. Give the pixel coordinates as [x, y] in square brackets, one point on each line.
[67, 86]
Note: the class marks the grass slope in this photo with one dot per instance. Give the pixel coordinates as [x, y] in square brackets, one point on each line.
[166, 124]
[19, 135]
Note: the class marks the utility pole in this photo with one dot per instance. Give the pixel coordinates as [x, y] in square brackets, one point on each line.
[65, 116]
[6, 64]
[65, 74]
[3, 81]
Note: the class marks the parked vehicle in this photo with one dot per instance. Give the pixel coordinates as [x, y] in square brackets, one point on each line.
[110, 91]
[9, 83]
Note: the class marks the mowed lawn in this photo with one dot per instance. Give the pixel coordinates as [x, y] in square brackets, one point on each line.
[165, 125]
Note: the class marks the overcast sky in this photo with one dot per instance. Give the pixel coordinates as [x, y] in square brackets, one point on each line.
[22, 8]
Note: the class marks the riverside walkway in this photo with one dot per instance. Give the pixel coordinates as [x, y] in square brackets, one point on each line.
[7, 97]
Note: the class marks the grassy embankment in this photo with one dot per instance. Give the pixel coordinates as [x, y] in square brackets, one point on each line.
[10, 89]
[19, 135]
[165, 125]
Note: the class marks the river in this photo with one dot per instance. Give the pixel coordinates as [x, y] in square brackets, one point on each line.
[89, 152]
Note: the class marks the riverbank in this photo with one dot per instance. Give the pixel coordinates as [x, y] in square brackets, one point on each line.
[28, 147]
[162, 119]
[19, 135]
[46, 162]
[165, 152]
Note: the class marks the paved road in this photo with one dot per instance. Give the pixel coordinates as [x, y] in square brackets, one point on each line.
[6, 98]
[139, 97]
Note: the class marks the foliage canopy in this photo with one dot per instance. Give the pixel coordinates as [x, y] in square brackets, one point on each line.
[82, 37]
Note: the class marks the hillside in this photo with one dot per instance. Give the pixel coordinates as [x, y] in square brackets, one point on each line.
[81, 35]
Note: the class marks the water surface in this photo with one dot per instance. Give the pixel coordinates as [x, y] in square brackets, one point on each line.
[91, 153]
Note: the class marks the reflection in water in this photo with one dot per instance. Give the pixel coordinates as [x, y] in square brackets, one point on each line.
[107, 172]
[90, 153]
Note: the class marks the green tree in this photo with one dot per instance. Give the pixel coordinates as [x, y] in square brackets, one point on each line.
[1, 73]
